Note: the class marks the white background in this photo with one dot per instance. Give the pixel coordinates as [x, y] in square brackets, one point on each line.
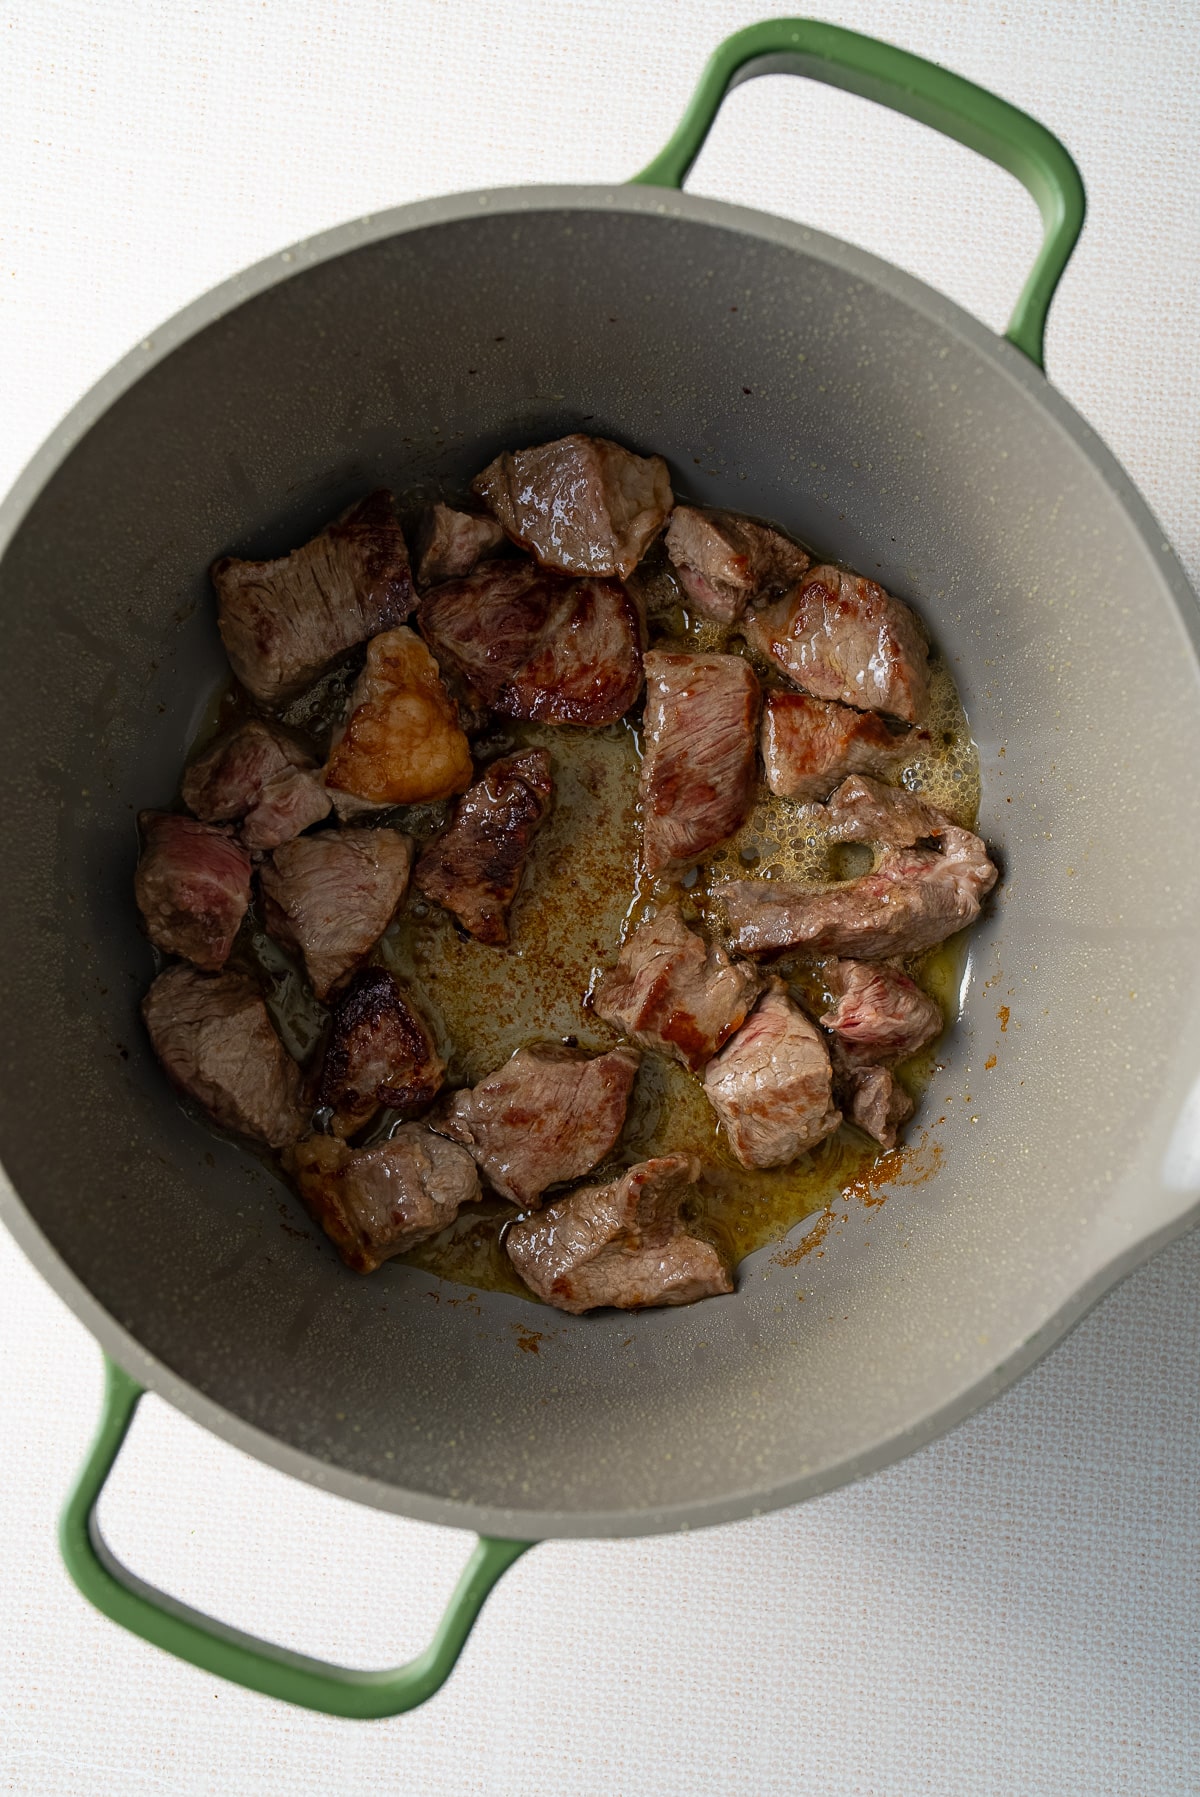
[1017, 1609]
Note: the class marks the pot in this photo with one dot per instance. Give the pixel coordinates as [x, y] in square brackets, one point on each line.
[782, 373]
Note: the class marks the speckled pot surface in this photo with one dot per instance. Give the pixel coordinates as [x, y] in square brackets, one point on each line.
[781, 373]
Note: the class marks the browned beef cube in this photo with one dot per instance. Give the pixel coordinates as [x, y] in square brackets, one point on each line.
[698, 759]
[380, 1053]
[192, 886]
[474, 868]
[214, 1036]
[582, 504]
[880, 1014]
[402, 743]
[529, 644]
[808, 745]
[376, 1202]
[772, 1085]
[284, 621]
[842, 637]
[548, 1115]
[259, 774]
[451, 543]
[331, 897]
[669, 990]
[723, 560]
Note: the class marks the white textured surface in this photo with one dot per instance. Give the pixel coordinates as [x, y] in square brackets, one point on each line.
[1017, 1609]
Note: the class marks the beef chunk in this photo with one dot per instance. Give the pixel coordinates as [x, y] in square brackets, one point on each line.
[192, 886]
[283, 622]
[842, 637]
[380, 1052]
[698, 762]
[808, 745]
[723, 560]
[582, 504]
[670, 991]
[549, 1114]
[331, 897]
[402, 743]
[621, 1244]
[214, 1036]
[475, 868]
[871, 1097]
[865, 810]
[451, 543]
[376, 1202]
[772, 1084]
[259, 774]
[880, 1014]
[534, 645]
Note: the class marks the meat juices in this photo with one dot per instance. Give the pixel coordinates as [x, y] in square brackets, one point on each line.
[260, 775]
[670, 991]
[474, 868]
[284, 621]
[723, 560]
[880, 1014]
[376, 1202]
[331, 896]
[808, 745]
[622, 1244]
[402, 743]
[529, 644]
[547, 1115]
[452, 542]
[380, 1053]
[214, 1036]
[698, 757]
[772, 1084]
[842, 637]
[192, 887]
[584, 505]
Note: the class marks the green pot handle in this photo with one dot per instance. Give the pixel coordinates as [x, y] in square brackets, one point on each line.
[922, 90]
[226, 1652]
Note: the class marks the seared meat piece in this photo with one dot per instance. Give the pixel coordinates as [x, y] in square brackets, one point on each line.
[698, 763]
[402, 743]
[772, 1084]
[283, 622]
[582, 504]
[376, 1202]
[723, 560]
[872, 1098]
[669, 990]
[380, 1052]
[622, 1244]
[452, 542]
[192, 886]
[259, 774]
[535, 645]
[808, 745]
[331, 897]
[842, 637]
[865, 810]
[881, 1014]
[547, 1115]
[475, 868]
[214, 1036]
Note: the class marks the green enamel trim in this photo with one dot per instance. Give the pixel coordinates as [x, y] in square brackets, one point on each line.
[227, 1652]
[922, 90]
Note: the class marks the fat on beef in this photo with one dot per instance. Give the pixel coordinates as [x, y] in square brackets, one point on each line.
[548, 1114]
[402, 743]
[452, 542]
[376, 1202]
[671, 991]
[192, 887]
[772, 1084]
[582, 504]
[809, 745]
[842, 637]
[331, 896]
[214, 1035]
[474, 868]
[284, 621]
[724, 560]
[532, 644]
[623, 1244]
[380, 1052]
[880, 1014]
[258, 774]
[698, 760]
